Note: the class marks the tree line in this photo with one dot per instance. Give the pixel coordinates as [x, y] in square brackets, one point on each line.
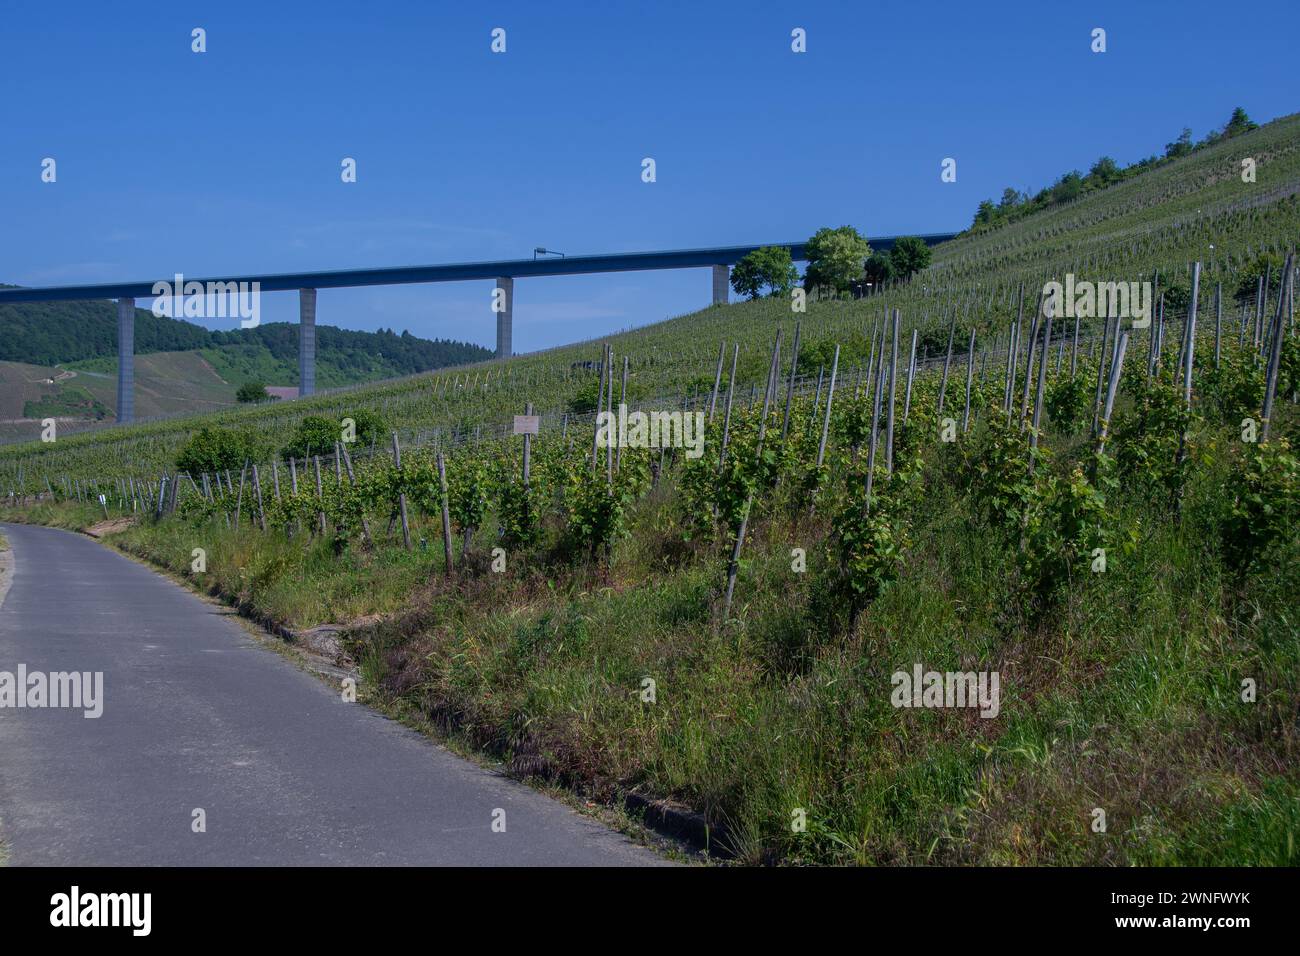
[1015, 204]
[54, 333]
[839, 260]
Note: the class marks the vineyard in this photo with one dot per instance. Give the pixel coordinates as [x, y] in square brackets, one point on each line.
[1007, 516]
[950, 473]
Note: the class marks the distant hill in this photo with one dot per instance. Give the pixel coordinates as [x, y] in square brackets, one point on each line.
[196, 369]
[166, 383]
[55, 333]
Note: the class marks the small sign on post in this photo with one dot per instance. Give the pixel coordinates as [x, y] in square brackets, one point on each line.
[527, 425]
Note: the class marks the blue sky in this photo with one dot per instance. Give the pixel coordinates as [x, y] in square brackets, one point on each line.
[229, 161]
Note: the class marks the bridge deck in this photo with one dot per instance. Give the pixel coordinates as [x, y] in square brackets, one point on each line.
[449, 272]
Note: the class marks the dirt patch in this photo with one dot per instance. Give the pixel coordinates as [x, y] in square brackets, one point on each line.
[109, 527]
[6, 572]
[324, 639]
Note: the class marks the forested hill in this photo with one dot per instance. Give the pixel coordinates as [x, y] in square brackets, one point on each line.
[54, 333]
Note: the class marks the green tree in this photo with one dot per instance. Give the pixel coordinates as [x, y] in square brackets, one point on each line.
[835, 258]
[1238, 123]
[1069, 186]
[1104, 172]
[986, 213]
[769, 267]
[1181, 146]
[252, 392]
[909, 256]
[879, 268]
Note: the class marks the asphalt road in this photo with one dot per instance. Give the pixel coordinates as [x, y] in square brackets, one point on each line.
[198, 715]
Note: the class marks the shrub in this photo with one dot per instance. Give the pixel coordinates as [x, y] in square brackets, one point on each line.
[598, 508]
[815, 355]
[315, 436]
[1069, 402]
[1236, 387]
[371, 427]
[1248, 276]
[1149, 437]
[586, 399]
[469, 486]
[252, 392]
[520, 515]
[213, 449]
[1262, 497]
[1068, 522]
[1000, 481]
[869, 548]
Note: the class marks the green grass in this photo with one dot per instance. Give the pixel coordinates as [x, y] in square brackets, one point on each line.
[1124, 695]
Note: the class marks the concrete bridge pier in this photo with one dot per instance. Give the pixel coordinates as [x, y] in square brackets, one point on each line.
[306, 342]
[721, 285]
[505, 317]
[125, 360]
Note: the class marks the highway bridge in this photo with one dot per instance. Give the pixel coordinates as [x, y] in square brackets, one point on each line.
[718, 259]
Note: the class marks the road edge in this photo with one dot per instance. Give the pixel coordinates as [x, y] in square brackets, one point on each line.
[676, 834]
[7, 564]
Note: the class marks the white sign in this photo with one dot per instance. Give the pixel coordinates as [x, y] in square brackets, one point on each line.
[528, 424]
